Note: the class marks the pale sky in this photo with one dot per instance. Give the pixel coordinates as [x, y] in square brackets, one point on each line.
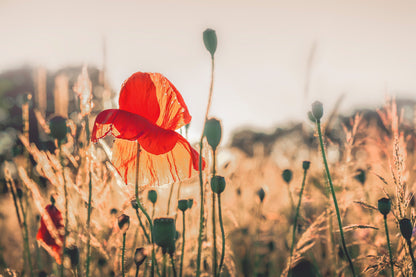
[365, 49]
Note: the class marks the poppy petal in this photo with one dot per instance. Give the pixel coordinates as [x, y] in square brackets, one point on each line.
[50, 233]
[166, 157]
[154, 97]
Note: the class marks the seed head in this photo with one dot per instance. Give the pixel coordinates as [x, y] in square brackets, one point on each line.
[124, 222]
[57, 125]
[183, 205]
[384, 206]
[218, 184]
[210, 41]
[152, 196]
[306, 165]
[261, 193]
[164, 233]
[317, 110]
[213, 132]
[406, 228]
[287, 175]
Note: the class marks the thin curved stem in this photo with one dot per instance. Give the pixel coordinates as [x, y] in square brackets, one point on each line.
[222, 234]
[172, 260]
[66, 207]
[388, 245]
[296, 221]
[409, 244]
[122, 254]
[201, 181]
[341, 231]
[183, 243]
[87, 128]
[214, 233]
[140, 206]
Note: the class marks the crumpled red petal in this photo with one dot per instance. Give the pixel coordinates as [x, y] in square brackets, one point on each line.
[154, 97]
[50, 233]
[166, 156]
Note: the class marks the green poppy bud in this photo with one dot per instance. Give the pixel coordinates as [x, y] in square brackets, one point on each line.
[210, 41]
[164, 233]
[113, 211]
[152, 196]
[287, 175]
[218, 184]
[360, 177]
[19, 193]
[384, 206]
[183, 205]
[139, 256]
[261, 193]
[57, 125]
[212, 132]
[306, 165]
[190, 203]
[124, 222]
[311, 117]
[134, 204]
[406, 228]
[73, 254]
[317, 110]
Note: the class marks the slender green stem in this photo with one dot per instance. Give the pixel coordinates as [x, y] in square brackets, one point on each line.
[183, 243]
[296, 221]
[409, 244]
[142, 226]
[222, 234]
[172, 260]
[140, 206]
[87, 129]
[137, 271]
[26, 238]
[122, 254]
[66, 207]
[214, 233]
[164, 266]
[388, 245]
[341, 231]
[201, 181]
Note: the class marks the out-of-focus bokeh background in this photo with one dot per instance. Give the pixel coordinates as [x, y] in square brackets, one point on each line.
[274, 57]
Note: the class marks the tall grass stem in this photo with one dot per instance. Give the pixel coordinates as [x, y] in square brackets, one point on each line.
[341, 231]
[388, 245]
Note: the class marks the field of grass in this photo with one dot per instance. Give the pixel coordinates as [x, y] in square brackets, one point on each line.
[279, 213]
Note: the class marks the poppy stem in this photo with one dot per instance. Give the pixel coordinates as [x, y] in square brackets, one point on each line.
[388, 245]
[144, 211]
[122, 253]
[334, 198]
[201, 181]
[409, 244]
[172, 260]
[222, 234]
[214, 235]
[183, 243]
[87, 129]
[66, 206]
[305, 171]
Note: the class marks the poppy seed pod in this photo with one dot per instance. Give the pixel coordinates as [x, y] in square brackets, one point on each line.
[124, 222]
[360, 176]
[183, 205]
[164, 233]
[212, 132]
[311, 117]
[406, 228]
[139, 256]
[317, 110]
[152, 196]
[19, 193]
[73, 254]
[384, 206]
[287, 175]
[261, 193]
[134, 204]
[190, 203]
[306, 165]
[113, 211]
[210, 41]
[57, 125]
[218, 184]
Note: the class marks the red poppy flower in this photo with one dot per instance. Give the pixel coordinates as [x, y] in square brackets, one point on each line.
[150, 110]
[50, 233]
